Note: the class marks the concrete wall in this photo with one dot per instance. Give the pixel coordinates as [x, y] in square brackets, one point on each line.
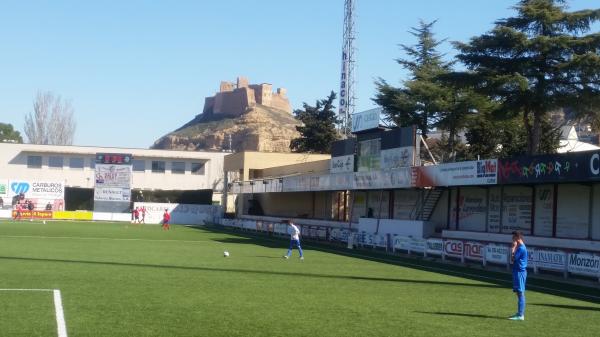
[245, 161]
[13, 165]
[302, 168]
[287, 204]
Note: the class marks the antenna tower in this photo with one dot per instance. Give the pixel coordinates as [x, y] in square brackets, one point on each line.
[347, 96]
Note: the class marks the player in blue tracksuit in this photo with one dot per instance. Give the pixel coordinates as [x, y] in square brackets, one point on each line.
[519, 273]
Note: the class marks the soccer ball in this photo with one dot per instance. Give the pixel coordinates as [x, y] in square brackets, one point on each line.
[226, 254]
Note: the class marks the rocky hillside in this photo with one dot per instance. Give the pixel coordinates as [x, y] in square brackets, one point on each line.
[262, 129]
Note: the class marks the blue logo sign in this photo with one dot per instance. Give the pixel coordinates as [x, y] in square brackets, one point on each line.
[19, 187]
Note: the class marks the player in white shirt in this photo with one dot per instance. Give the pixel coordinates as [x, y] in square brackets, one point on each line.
[294, 239]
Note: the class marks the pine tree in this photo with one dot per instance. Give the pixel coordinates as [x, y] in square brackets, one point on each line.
[318, 130]
[420, 98]
[536, 62]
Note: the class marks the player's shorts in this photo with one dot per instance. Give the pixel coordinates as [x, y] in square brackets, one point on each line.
[165, 222]
[519, 279]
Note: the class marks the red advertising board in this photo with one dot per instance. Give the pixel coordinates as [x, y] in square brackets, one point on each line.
[36, 214]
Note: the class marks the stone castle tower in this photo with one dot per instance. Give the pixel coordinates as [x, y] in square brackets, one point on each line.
[234, 99]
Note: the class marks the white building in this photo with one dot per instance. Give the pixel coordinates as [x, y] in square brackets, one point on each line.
[74, 165]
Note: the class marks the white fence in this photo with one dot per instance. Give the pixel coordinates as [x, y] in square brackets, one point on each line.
[540, 258]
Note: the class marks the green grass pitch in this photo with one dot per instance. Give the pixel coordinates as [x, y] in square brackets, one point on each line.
[128, 280]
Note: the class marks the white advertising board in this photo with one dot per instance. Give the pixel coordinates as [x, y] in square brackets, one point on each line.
[453, 248]
[37, 189]
[113, 176]
[398, 157]
[4, 188]
[435, 246]
[342, 164]
[473, 250]
[584, 264]
[479, 172]
[183, 214]
[365, 120]
[112, 194]
[550, 260]
[497, 253]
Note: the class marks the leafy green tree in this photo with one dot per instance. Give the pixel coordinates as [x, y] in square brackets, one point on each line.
[490, 137]
[420, 99]
[318, 130]
[428, 99]
[536, 62]
[9, 135]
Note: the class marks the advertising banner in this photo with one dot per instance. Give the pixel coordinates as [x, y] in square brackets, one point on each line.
[398, 157]
[34, 214]
[453, 248]
[184, 214]
[41, 192]
[474, 250]
[3, 188]
[531, 257]
[342, 164]
[565, 167]
[550, 260]
[112, 194]
[497, 253]
[435, 246]
[479, 172]
[4, 198]
[38, 189]
[112, 182]
[339, 235]
[113, 176]
[418, 245]
[370, 239]
[72, 215]
[402, 243]
[365, 120]
[584, 264]
[516, 209]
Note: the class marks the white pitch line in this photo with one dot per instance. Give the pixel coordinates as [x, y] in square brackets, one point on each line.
[60, 315]
[61, 326]
[100, 238]
[26, 289]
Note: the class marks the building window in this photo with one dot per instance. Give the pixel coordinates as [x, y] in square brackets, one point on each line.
[198, 168]
[76, 163]
[178, 167]
[139, 165]
[158, 166]
[93, 163]
[55, 162]
[34, 161]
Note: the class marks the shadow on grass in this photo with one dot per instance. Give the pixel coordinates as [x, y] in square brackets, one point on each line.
[460, 314]
[563, 306]
[250, 271]
[499, 279]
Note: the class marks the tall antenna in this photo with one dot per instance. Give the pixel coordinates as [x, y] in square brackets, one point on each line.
[347, 96]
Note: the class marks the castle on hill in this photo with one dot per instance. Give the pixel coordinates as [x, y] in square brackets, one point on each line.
[234, 99]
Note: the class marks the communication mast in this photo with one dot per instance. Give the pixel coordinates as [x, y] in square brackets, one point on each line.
[347, 96]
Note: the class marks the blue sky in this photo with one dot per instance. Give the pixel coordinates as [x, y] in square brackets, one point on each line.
[136, 70]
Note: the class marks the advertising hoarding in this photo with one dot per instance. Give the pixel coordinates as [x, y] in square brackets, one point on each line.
[479, 172]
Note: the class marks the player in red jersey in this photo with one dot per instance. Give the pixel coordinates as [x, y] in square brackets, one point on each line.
[18, 210]
[143, 211]
[136, 215]
[166, 219]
